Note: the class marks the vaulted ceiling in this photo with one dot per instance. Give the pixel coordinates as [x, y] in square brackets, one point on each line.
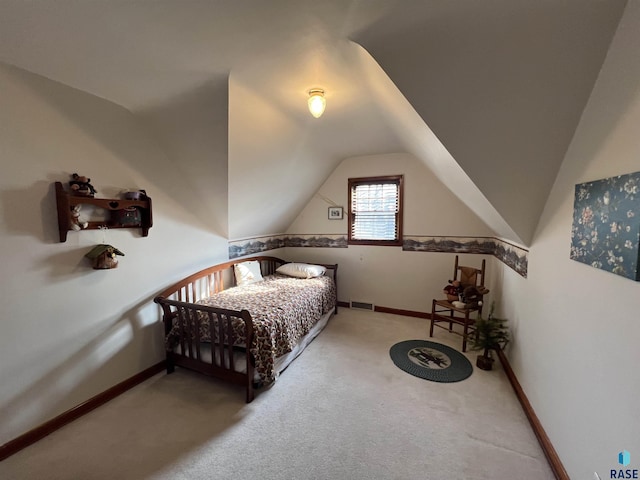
[500, 83]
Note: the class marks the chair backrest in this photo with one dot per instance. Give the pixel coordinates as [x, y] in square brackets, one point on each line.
[469, 276]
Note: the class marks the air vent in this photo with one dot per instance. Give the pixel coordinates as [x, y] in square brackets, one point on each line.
[361, 305]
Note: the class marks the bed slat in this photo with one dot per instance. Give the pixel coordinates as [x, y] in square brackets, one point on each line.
[218, 348]
[197, 322]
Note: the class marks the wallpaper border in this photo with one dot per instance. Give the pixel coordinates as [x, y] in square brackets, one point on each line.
[513, 256]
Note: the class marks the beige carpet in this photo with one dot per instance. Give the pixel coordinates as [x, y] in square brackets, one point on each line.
[342, 410]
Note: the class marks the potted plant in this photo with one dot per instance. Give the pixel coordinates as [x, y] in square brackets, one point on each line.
[491, 334]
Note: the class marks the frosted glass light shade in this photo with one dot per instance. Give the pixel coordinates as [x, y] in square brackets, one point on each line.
[317, 102]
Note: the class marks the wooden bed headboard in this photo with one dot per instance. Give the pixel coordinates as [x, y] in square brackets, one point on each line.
[219, 277]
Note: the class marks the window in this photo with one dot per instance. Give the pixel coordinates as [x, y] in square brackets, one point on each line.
[375, 210]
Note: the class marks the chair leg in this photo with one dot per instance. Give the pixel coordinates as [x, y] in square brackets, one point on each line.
[466, 331]
[433, 317]
[464, 337]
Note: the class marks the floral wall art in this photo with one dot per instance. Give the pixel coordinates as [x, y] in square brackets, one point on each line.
[606, 225]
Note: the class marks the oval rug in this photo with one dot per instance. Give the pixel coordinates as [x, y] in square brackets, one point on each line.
[431, 361]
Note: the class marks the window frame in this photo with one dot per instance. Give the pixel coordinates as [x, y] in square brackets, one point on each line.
[385, 179]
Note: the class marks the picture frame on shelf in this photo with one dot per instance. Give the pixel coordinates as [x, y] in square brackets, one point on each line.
[335, 213]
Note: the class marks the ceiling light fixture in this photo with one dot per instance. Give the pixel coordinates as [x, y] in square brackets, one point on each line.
[317, 102]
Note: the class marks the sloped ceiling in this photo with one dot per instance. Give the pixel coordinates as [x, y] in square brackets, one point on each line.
[501, 83]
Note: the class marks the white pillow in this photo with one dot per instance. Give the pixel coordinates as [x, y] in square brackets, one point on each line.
[301, 270]
[247, 273]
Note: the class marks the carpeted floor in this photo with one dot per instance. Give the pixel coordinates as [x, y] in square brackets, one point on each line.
[342, 410]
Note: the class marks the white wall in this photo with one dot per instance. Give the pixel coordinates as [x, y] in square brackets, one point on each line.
[575, 348]
[68, 331]
[364, 272]
[192, 131]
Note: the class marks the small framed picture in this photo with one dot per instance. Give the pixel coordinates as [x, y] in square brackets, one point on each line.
[335, 213]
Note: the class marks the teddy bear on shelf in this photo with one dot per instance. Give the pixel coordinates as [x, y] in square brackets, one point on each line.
[81, 186]
[74, 219]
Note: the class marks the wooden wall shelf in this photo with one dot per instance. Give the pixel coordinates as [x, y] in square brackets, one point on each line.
[66, 201]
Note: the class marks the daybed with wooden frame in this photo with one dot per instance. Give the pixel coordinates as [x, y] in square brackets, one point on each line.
[244, 334]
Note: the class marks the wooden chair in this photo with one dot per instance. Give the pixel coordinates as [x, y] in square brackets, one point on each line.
[445, 311]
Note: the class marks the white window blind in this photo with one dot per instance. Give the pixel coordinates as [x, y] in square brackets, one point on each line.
[375, 208]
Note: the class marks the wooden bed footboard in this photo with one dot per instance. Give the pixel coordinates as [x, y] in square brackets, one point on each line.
[220, 358]
[217, 358]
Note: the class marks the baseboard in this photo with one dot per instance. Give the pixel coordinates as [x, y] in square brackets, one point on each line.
[545, 443]
[32, 436]
[394, 311]
[406, 313]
